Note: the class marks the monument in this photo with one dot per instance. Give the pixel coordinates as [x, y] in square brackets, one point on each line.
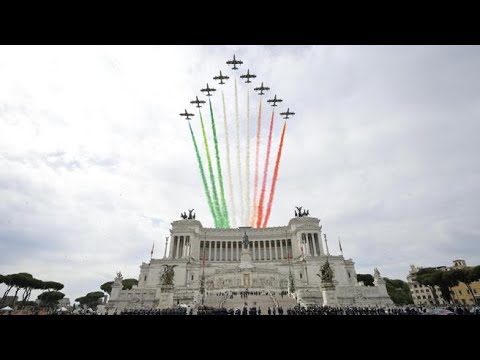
[272, 259]
[327, 285]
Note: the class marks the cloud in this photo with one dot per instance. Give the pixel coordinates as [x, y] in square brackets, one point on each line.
[95, 162]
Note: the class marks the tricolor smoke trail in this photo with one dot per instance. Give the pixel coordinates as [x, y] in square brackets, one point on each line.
[239, 162]
[247, 165]
[224, 211]
[257, 152]
[275, 177]
[202, 174]
[265, 174]
[229, 165]
[216, 205]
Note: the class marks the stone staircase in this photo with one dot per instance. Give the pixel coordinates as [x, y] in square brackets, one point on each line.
[259, 301]
[213, 300]
[285, 302]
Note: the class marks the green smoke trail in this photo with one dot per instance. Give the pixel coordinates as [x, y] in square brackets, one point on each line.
[216, 205]
[204, 179]
[224, 211]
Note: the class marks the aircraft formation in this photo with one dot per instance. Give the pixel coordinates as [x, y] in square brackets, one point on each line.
[255, 213]
[261, 89]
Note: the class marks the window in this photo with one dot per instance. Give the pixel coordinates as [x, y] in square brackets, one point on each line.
[192, 277]
[301, 277]
[145, 279]
[429, 297]
[424, 297]
[421, 290]
[348, 272]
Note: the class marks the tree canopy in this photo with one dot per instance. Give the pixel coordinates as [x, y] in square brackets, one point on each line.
[366, 278]
[91, 299]
[107, 287]
[50, 298]
[128, 283]
[398, 291]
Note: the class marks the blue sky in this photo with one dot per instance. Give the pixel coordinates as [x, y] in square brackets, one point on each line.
[95, 162]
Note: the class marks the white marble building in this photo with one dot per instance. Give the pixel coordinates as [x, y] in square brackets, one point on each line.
[276, 252]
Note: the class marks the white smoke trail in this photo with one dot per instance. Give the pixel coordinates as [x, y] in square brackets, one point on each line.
[239, 161]
[229, 166]
[247, 175]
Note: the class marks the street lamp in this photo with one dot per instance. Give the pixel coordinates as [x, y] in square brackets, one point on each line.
[291, 281]
[202, 279]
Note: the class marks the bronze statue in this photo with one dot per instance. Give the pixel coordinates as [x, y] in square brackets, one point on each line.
[307, 213]
[193, 216]
[299, 208]
[246, 242]
[326, 273]
[168, 274]
[296, 215]
[190, 214]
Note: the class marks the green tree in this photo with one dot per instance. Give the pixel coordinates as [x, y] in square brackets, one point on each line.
[128, 283]
[107, 287]
[29, 286]
[398, 291]
[448, 281]
[91, 299]
[20, 281]
[52, 285]
[8, 281]
[467, 276]
[366, 278]
[50, 298]
[430, 277]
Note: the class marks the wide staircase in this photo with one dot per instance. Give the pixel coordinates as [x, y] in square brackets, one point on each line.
[212, 300]
[259, 301]
[285, 302]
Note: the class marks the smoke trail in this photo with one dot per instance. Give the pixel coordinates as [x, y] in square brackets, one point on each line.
[204, 179]
[265, 173]
[239, 162]
[216, 205]
[229, 167]
[257, 152]
[247, 175]
[224, 211]
[275, 177]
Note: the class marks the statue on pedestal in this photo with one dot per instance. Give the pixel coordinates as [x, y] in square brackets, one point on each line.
[168, 274]
[326, 273]
[376, 274]
[246, 242]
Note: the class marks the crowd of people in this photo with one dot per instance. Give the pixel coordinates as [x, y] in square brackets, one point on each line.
[174, 311]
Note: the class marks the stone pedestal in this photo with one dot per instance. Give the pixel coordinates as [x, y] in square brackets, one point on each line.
[329, 294]
[166, 297]
[246, 259]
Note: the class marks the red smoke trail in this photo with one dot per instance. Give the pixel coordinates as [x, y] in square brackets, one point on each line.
[265, 173]
[275, 177]
[257, 151]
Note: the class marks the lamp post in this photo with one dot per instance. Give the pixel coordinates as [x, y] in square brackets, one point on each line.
[202, 279]
[291, 282]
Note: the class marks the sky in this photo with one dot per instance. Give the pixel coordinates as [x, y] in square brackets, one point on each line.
[95, 162]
